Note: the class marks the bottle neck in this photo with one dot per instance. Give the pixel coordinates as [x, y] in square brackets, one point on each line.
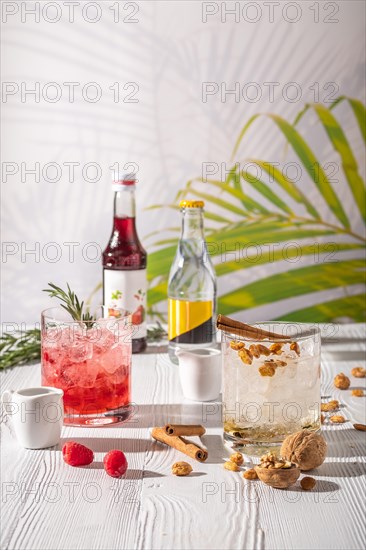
[192, 224]
[124, 202]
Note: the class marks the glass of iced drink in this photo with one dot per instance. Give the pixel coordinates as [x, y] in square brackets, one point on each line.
[91, 363]
[271, 387]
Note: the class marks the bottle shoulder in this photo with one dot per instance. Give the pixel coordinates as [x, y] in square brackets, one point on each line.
[192, 282]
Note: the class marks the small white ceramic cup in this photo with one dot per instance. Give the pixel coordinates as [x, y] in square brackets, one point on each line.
[200, 373]
[37, 415]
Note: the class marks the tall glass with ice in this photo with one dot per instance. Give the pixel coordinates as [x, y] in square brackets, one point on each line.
[91, 363]
[271, 387]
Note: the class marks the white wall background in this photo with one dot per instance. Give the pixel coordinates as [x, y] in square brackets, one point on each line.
[169, 133]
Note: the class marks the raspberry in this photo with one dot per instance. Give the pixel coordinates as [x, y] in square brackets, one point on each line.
[76, 454]
[115, 463]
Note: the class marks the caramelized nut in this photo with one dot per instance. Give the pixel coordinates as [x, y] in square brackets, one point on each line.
[358, 372]
[250, 474]
[246, 356]
[330, 406]
[337, 419]
[229, 465]
[308, 483]
[234, 344]
[237, 458]
[276, 348]
[254, 350]
[358, 393]
[181, 469]
[322, 418]
[294, 346]
[341, 381]
[268, 368]
[263, 350]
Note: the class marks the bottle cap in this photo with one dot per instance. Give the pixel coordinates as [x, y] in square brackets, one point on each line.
[191, 204]
[122, 178]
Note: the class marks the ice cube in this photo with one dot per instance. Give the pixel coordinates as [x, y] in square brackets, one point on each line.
[81, 374]
[103, 342]
[81, 350]
[111, 360]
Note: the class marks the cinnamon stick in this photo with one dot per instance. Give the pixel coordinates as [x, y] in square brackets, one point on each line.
[184, 429]
[181, 444]
[247, 331]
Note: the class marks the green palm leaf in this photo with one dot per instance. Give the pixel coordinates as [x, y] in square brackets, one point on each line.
[263, 188]
[293, 283]
[308, 159]
[219, 202]
[235, 239]
[209, 215]
[341, 145]
[160, 261]
[350, 306]
[158, 293]
[247, 202]
[287, 185]
[358, 110]
[292, 253]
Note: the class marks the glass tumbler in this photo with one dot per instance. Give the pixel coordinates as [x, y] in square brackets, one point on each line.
[91, 363]
[271, 387]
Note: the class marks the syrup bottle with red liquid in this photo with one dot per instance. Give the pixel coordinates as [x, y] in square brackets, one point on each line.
[124, 262]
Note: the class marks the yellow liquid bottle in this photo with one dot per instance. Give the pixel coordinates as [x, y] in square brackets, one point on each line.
[192, 286]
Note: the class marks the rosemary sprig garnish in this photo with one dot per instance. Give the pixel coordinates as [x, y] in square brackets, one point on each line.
[70, 302]
[20, 348]
[156, 333]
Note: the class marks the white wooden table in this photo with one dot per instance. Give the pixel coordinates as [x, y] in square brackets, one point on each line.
[46, 504]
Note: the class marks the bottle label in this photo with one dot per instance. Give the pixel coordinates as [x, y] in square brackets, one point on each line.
[127, 290]
[190, 322]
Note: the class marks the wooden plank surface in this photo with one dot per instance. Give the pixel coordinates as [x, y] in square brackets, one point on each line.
[49, 505]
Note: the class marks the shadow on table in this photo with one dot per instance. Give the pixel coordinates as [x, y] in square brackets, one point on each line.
[322, 486]
[105, 444]
[155, 349]
[218, 453]
[131, 474]
[138, 474]
[146, 416]
[344, 443]
[357, 355]
[340, 469]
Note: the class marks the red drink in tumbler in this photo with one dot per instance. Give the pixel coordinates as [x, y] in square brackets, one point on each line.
[91, 364]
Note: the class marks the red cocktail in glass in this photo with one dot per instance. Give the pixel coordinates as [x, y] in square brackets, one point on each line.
[91, 363]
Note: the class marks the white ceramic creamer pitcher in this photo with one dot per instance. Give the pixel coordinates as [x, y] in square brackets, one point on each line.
[200, 373]
[37, 415]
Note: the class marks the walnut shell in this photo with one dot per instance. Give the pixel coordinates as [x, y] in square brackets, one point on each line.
[278, 478]
[181, 469]
[305, 449]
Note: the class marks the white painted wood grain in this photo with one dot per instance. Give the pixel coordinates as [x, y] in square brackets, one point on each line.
[151, 509]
